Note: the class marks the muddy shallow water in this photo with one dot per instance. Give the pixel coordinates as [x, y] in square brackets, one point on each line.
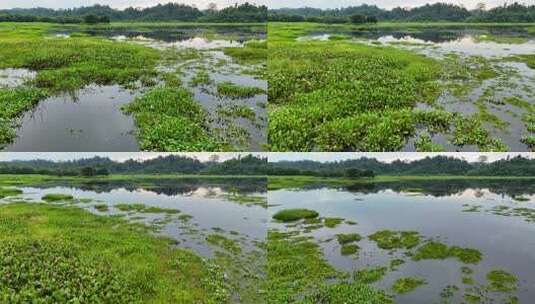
[435, 210]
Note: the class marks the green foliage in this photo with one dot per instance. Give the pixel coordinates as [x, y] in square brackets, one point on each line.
[55, 272]
[348, 238]
[347, 293]
[253, 52]
[65, 254]
[56, 197]
[290, 215]
[145, 209]
[6, 192]
[344, 96]
[387, 239]
[228, 89]
[170, 120]
[349, 249]
[405, 285]
[436, 250]
[501, 281]
[331, 222]
[13, 102]
[224, 242]
[371, 275]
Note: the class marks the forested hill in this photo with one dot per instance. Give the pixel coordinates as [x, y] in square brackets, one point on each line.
[439, 165]
[515, 12]
[162, 12]
[172, 164]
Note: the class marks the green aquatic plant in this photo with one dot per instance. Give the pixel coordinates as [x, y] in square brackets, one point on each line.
[291, 215]
[5, 192]
[331, 222]
[234, 91]
[102, 207]
[501, 281]
[236, 111]
[169, 119]
[371, 275]
[348, 238]
[224, 242]
[347, 293]
[145, 209]
[56, 197]
[440, 251]
[395, 263]
[387, 239]
[13, 102]
[86, 258]
[405, 285]
[349, 249]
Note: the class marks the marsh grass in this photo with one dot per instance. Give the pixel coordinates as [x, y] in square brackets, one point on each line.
[405, 285]
[168, 119]
[290, 215]
[234, 91]
[82, 257]
[57, 197]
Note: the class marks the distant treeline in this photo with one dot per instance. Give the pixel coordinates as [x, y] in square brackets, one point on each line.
[162, 12]
[514, 12]
[439, 165]
[172, 164]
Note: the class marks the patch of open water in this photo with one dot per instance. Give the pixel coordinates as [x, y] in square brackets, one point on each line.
[92, 121]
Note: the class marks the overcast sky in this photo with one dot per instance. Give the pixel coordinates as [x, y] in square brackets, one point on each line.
[381, 3]
[120, 4]
[117, 156]
[387, 157]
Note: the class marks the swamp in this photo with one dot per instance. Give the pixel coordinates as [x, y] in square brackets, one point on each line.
[422, 87]
[405, 241]
[133, 87]
[133, 240]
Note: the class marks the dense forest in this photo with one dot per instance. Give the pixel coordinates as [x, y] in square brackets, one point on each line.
[439, 165]
[162, 12]
[172, 164]
[514, 12]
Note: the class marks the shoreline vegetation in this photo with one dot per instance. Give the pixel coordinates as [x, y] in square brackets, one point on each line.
[396, 92]
[300, 181]
[62, 67]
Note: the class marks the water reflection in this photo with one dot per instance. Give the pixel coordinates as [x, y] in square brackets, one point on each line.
[443, 211]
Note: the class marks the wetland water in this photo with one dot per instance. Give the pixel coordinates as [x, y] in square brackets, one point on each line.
[198, 208]
[76, 121]
[503, 99]
[476, 215]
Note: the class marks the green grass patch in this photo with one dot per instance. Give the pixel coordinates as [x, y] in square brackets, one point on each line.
[501, 281]
[5, 192]
[56, 197]
[291, 215]
[405, 285]
[348, 238]
[371, 275]
[169, 119]
[145, 209]
[234, 91]
[387, 239]
[439, 251]
[81, 257]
